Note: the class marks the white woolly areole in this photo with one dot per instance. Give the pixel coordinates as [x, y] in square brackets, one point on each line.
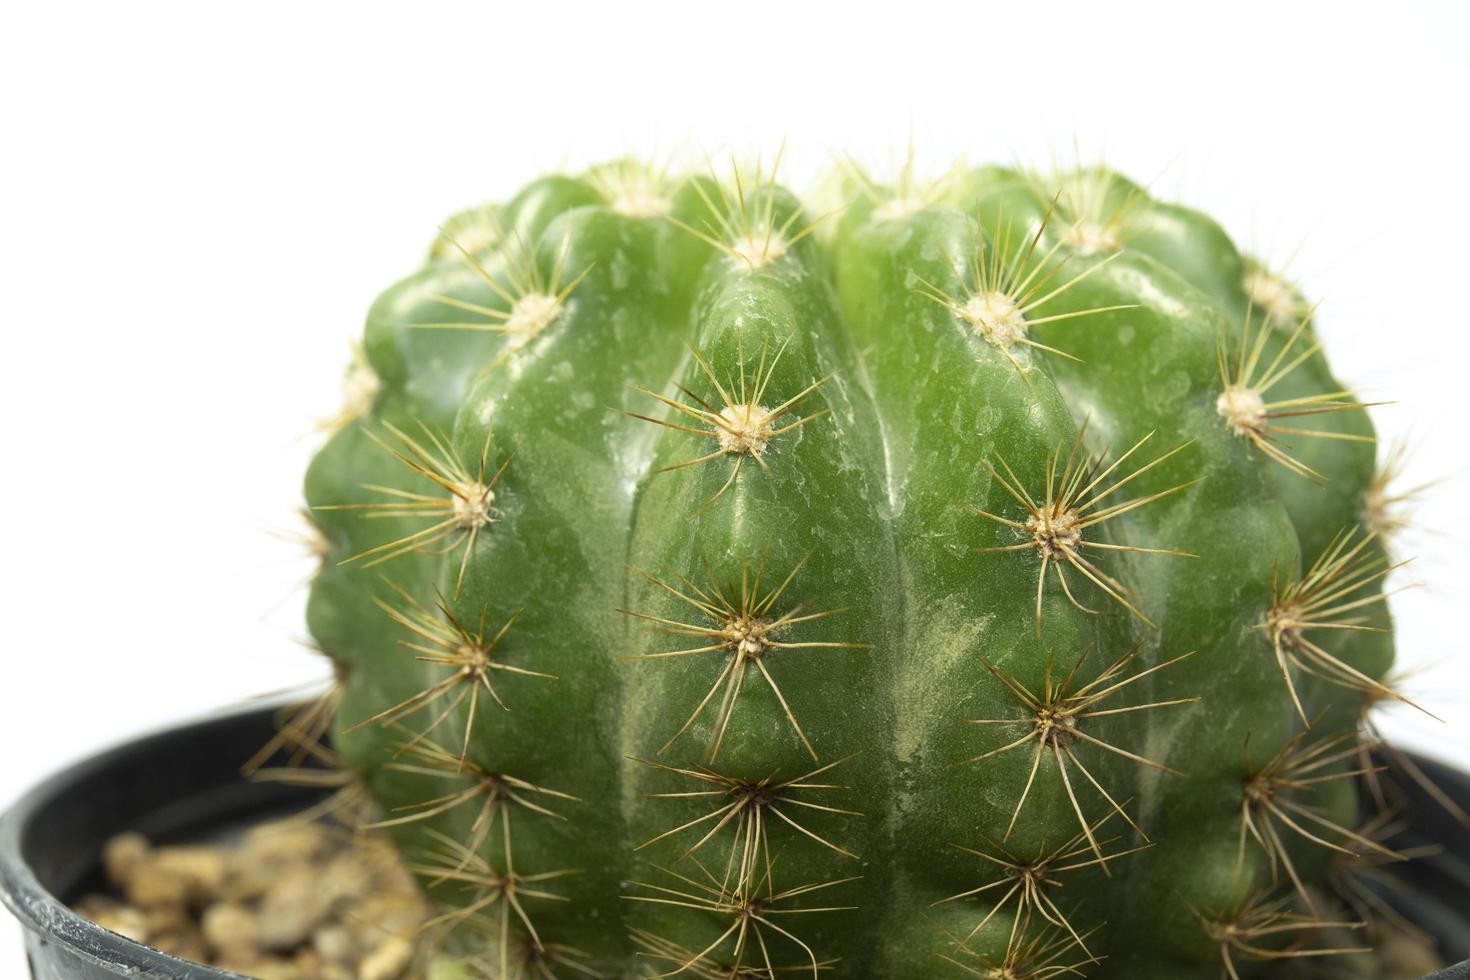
[1091, 238]
[359, 389]
[1243, 409]
[639, 202]
[747, 429]
[898, 206]
[1056, 533]
[1272, 295]
[748, 635]
[1378, 507]
[476, 238]
[530, 315]
[758, 247]
[472, 506]
[996, 316]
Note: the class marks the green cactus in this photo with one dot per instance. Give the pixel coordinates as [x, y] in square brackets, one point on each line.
[975, 581]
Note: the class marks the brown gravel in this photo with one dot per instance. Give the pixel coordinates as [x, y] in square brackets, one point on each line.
[294, 900]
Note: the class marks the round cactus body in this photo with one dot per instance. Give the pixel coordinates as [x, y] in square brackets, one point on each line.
[975, 581]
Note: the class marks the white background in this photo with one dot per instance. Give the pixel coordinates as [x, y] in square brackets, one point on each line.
[201, 199]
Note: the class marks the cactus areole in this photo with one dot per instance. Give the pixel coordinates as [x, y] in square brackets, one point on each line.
[979, 579]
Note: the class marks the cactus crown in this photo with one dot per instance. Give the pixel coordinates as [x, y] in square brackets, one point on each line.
[722, 591]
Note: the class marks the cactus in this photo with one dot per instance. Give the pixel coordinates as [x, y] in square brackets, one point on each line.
[979, 580]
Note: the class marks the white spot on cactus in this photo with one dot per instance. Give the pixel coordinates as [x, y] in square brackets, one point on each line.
[1247, 377]
[996, 316]
[748, 635]
[1387, 504]
[477, 238]
[747, 429]
[640, 206]
[737, 624]
[473, 506]
[1056, 715]
[899, 206]
[456, 520]
[474, 231]
[906, 192]
[1331, 595]
[1069, 503]
[1274, 296]
[1243, 409]
[743, 221]
[744, 427]
[1091, 238]
[757, 248]
[360, 387]
[1057, 533]
[633, 188]
[531, 314]
[1010, 285]
[468, 650]
[1098, 211]
[535, 300]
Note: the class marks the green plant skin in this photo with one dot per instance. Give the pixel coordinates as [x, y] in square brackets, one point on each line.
[865, 498]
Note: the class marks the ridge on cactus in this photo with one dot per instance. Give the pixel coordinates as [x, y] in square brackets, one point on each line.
[982, 579]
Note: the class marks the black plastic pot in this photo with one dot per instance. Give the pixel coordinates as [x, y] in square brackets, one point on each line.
[185, 785]
[179, 785]
[1436, 892]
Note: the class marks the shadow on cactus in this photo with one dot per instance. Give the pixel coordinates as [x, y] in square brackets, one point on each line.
[762, 696]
